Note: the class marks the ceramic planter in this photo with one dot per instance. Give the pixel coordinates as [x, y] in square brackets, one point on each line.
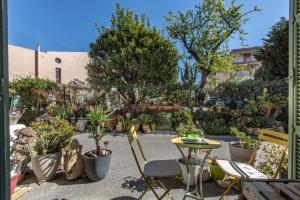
[193, 168]
[239, 154]
[45, 167]
[14, 119]
[97, 168]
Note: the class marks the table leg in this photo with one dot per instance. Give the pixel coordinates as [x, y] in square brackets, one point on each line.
[198, 193]
[201, 172]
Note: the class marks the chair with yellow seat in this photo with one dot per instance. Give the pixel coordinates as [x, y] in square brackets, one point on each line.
[155, 171]
[238, 172]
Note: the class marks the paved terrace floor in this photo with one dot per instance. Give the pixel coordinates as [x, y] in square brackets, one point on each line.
[123, 179]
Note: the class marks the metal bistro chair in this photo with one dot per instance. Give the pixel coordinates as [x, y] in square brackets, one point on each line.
[155, 171]
[237, 172]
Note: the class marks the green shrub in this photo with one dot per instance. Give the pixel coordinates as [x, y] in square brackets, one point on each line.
[33, 92]
[182, 116]
[52, 135]
[248, 141]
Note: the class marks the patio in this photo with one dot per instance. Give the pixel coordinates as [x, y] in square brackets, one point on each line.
[122, 181]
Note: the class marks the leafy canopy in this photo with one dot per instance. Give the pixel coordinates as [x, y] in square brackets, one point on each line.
[131, 54]
[274, 54]
[205, 31]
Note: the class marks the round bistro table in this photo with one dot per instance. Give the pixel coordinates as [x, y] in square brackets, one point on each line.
[208, 145]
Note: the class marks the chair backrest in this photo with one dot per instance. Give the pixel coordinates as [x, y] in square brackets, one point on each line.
[273, 137]
[132, 136]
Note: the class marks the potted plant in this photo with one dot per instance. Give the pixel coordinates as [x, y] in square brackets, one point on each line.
[219, 106]
[241, 150]
[52, 135]
[119, 125]
[97, 161]
[21, 145]
[16, 160]
[145, 120]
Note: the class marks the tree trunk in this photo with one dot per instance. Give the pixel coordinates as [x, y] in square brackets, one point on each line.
[97, 141]
[204, 76]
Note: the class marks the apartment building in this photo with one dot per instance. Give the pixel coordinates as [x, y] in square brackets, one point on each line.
[244, 57]
[58, 66]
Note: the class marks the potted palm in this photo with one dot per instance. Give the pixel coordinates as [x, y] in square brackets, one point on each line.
[241, 150]
[97, 161]
[52, 135]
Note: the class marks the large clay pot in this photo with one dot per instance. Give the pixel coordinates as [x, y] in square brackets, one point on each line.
[239, 154]
[97, 168]
[45, 167]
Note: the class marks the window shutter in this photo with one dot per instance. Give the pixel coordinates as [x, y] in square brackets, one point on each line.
[294, 90]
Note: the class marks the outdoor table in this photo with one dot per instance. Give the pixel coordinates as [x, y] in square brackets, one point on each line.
[206, 145]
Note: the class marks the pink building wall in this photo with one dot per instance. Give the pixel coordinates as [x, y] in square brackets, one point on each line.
[22, 63]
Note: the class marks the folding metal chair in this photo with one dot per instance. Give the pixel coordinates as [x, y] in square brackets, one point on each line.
[155, 171]
[238, 172]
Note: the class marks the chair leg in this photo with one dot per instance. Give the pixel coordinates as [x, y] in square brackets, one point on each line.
[228, 189]
[165, 188]
[146, 190]
[168, 190]
[150, 184]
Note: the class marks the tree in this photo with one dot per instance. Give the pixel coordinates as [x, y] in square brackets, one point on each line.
[131, 55]
[205, 31]
[274, 54]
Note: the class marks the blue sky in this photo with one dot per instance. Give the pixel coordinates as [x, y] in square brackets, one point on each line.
[68, 25]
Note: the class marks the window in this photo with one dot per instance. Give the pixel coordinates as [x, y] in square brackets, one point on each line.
[58, 60]
[58, 75]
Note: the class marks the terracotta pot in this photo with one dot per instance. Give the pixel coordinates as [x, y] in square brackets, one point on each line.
[176, 106]
[219, 109]
[151, 107]
[146, 128]
[119, 127]
[168, 107]
[160, 107]
[239, 154]
[13, 182]
[21, 177]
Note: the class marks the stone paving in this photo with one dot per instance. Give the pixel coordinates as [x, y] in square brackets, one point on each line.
[123, 179]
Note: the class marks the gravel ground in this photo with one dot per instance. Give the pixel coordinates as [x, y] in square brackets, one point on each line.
[123, 179]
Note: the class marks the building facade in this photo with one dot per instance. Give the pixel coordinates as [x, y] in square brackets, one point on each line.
[242, 57]
[58, 66]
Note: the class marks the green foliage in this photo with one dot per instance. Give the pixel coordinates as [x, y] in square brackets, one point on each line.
[97, 118]
[52, 135]
[33, 92]
[131, 55]
[145, 119]
[274, 96]
[274, 54]
[182, 116]
[205, 31]
[245, 139]
[188, 129]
